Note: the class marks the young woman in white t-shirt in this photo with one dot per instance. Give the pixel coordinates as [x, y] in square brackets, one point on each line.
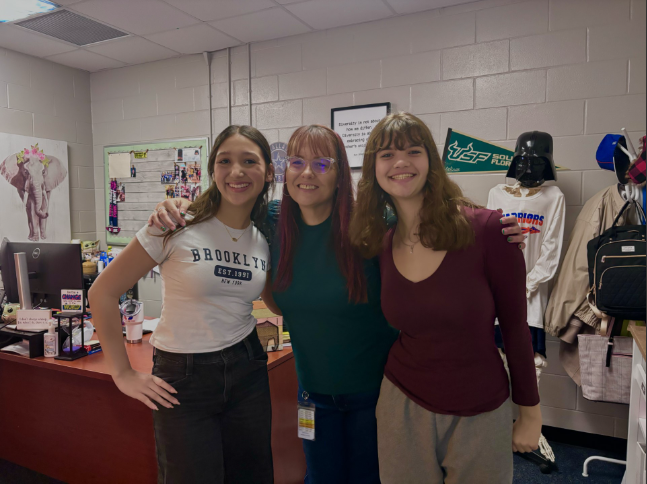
[209, 388]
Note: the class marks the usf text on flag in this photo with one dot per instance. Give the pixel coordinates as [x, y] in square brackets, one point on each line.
[465, 154]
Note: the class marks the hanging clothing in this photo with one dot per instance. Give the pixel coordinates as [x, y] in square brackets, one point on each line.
[568, 298]
[568, 313]
[538, 340]
[541, 217]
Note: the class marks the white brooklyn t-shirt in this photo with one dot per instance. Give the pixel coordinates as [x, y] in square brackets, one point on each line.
[541, 217]
[208, 285]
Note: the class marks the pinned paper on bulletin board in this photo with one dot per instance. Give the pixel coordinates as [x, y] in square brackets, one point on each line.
[119, 165]
[465, 154]
[191, 154]
[140, 155]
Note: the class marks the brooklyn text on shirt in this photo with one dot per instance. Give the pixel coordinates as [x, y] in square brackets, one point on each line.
[230, 275]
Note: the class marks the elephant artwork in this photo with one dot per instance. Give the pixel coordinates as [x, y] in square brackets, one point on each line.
[34, 175]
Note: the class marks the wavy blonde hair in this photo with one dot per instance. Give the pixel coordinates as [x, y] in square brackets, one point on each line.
[443, 223]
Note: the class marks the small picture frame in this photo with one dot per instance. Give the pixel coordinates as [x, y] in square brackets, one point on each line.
[354, 125]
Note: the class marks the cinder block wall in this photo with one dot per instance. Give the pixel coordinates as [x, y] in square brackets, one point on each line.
[47, 100]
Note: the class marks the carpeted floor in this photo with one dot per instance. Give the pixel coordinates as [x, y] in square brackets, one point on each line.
[570, 459]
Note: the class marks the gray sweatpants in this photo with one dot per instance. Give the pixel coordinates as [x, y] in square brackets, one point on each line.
[416, 446]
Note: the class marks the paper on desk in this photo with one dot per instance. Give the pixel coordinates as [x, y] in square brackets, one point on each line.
[119, 165]
[150, 324]
[21, 348]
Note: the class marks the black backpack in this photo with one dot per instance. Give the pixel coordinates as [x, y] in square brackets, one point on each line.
[617, 270]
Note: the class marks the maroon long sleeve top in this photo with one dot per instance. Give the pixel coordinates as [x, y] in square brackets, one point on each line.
[445, 358]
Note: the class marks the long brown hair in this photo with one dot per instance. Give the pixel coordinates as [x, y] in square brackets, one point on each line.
[443, 225]
[207, 204]
[324, 142]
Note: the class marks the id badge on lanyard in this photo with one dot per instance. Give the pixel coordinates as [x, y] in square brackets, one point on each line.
[306, 415]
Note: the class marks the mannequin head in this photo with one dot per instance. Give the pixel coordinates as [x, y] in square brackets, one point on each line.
[533, 162]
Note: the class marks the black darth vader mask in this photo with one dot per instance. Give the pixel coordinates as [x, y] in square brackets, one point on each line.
[533, 164]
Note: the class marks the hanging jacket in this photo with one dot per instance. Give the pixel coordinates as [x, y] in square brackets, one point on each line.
[568, 298]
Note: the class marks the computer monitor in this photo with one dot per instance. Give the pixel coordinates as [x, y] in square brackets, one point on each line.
[51, 267]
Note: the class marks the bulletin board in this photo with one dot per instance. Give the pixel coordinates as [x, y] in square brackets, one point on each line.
[139, 176]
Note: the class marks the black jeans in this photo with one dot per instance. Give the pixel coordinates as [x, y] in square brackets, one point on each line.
[221, 431]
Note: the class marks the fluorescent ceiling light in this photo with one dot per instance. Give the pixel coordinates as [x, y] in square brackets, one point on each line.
[11, 10]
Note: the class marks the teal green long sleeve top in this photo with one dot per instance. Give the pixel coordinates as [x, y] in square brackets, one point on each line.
[339, 347]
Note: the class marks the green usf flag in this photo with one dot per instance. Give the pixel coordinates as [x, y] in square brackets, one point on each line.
[464, 154]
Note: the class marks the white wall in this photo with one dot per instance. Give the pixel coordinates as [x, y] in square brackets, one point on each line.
[494, 68]
[47, 100]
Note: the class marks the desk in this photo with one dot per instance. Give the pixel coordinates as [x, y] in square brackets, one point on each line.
[68, 420]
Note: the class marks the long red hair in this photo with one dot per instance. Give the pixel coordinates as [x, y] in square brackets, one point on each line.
[324, 142]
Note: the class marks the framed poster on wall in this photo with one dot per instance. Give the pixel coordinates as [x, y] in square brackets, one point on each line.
[34, 189]
[354, 124]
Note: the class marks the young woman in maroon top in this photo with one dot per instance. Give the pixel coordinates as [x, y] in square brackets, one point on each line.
[444, 412]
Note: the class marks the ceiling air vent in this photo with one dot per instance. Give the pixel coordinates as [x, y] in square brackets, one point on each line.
[70, 27]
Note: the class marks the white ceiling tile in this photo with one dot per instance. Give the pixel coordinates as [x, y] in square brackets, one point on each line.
[412, 6]
[28, 42]
[265, 25]
[208, 10]
[88, 61]
[326, 14]
[193, 40]
[140, 17]
[133, 50]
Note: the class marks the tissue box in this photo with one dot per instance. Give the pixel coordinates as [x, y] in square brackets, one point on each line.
[33, 319]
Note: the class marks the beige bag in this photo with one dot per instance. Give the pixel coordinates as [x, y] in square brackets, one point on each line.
[605, 366]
